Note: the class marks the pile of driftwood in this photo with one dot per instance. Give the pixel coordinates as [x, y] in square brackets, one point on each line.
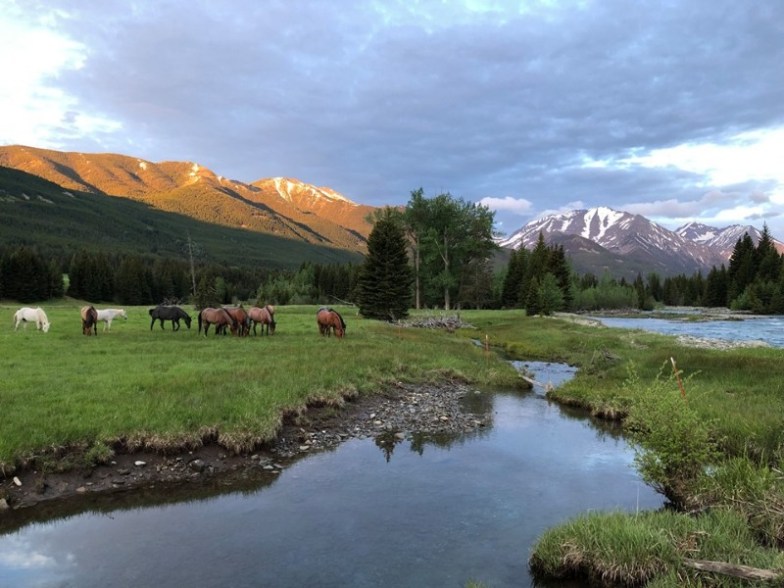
[450, 323]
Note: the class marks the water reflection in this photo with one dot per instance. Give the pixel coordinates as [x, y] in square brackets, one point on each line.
[443, 512]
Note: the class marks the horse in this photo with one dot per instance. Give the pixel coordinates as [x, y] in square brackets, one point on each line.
[31, 315]
[330, 321]
[263, 316]
[240, 316]
[218, 317]
[169, 313]
[89, 320]
[107, 315]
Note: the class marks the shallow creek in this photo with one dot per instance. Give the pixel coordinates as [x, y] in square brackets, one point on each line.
[424, 512]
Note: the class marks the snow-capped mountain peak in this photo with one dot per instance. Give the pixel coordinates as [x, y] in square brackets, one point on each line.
[632, 240]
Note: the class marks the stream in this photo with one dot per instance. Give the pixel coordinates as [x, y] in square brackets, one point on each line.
[427, 512]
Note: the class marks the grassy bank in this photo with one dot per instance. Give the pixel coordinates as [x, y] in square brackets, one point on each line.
[159, 389]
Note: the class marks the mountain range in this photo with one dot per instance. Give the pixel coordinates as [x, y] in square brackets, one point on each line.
[283, 207]
[626, 244]
[283, 221]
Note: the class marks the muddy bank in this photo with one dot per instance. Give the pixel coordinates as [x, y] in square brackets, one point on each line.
[395, 414]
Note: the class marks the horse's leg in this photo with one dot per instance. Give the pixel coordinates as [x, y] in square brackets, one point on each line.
[152, 323]
[175, 324]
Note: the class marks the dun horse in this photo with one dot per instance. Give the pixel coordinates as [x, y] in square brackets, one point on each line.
[89, 320]
[263, 316]
[330, 321]
[240, 316]
[169, 313]
[31, 315]
[218, 317]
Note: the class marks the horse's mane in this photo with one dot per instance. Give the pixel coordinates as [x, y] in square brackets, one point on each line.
[342, 322]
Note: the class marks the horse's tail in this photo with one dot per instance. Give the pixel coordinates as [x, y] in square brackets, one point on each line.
[152, 310]
[199, 322]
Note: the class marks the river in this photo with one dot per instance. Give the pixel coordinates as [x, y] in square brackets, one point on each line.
[437, 512]
[769, 329]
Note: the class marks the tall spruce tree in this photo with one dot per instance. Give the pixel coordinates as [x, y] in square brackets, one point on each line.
[385, 277]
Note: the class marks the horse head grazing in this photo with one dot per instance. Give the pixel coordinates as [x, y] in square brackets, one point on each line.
[329, 321]
[42, 321]
[89, 320]
[264, 316]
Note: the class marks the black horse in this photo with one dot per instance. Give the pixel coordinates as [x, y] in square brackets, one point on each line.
[169, 313]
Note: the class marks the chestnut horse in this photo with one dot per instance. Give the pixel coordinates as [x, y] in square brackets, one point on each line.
[330, 321]
[240, 317]
[218, 317]
[263, 316]
[89, 320]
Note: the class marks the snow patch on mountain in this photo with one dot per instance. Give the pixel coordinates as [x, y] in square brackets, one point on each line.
[291, 190]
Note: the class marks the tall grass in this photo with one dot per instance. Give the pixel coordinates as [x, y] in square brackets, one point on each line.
[650, 549]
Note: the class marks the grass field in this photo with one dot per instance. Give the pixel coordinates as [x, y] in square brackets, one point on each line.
[159, 388]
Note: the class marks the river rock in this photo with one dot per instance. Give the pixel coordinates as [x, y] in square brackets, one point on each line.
[4, 504]
[197, 465]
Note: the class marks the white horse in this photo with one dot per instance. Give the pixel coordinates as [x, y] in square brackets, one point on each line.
[107, 315]
[31, 315]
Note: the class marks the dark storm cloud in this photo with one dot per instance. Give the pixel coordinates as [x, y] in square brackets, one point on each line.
[377, 99]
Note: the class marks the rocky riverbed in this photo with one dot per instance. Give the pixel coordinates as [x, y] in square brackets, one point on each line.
[397, 413]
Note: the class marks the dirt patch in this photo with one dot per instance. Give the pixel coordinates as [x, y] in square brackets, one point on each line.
[397, 413]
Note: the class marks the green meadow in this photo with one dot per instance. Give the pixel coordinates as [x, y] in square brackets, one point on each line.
[162, 389]
[715, 440]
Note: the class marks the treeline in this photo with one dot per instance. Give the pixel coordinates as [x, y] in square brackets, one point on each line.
[27, 275]
[450, 257]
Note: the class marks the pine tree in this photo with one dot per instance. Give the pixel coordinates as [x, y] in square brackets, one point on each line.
[386, 278]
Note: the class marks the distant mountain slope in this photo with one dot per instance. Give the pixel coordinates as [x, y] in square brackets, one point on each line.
[722, 240]
[38, 212]
[286, 208]
[625, 244]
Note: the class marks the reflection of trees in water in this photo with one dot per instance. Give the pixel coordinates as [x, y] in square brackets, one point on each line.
[478, 407]
[387, 442]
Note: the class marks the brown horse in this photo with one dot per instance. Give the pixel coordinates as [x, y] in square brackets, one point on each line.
[263, 316]
[240, 317]
[330, 321]
[89, 320]
[218, 317]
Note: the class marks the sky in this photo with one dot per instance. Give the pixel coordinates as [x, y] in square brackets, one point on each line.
[673, 109]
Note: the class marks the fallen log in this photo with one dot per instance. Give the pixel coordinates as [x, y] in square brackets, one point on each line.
[734, 570]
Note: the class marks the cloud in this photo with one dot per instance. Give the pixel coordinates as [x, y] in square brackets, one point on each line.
[519, 206]
[546, 102]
